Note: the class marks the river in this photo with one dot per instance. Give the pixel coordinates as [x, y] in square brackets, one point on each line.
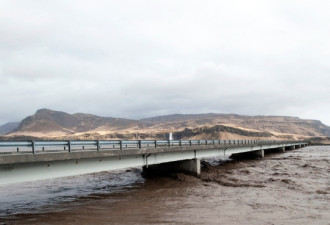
[282, 188]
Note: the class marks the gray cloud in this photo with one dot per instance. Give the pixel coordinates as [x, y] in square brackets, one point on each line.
[142, 58]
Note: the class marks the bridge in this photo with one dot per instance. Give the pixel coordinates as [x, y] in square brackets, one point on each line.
[35, 160]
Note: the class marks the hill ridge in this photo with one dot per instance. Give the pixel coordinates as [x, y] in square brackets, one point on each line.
[49, 123]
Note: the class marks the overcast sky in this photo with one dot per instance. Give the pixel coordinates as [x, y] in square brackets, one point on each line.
[136, 59]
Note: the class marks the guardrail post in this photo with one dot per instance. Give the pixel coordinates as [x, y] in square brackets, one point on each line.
[180, 143]
[155, 143]
[140, 144]
[98, 145]
[190, 142]
[69, 146]
[17, 149]
[33, 147]
[121, 145]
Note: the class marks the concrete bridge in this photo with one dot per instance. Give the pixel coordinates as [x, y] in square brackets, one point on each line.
[36, 160]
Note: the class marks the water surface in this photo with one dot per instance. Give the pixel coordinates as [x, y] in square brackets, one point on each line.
[282, 188]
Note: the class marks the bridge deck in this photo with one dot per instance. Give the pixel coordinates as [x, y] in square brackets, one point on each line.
[38, 163]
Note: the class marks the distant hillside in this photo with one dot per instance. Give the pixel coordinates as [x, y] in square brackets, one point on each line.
[47, 124]
[274, 124]
[8, 127]
[54, 123]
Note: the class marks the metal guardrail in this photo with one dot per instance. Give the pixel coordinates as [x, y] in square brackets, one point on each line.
[98, 145]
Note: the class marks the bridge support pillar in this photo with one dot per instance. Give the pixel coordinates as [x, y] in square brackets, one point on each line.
[293, 147]
[192, 167]
[282, 149]
[252, 154]
[260, 153]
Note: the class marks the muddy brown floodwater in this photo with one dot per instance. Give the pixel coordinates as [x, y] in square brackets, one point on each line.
[282, 188]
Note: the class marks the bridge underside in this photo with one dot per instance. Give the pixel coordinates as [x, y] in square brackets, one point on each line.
[187, 160]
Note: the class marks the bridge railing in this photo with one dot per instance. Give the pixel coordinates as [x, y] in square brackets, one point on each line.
[98, 145]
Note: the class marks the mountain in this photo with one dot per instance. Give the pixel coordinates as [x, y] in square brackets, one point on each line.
[274, 124]
[8, 127]
[49, 124]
